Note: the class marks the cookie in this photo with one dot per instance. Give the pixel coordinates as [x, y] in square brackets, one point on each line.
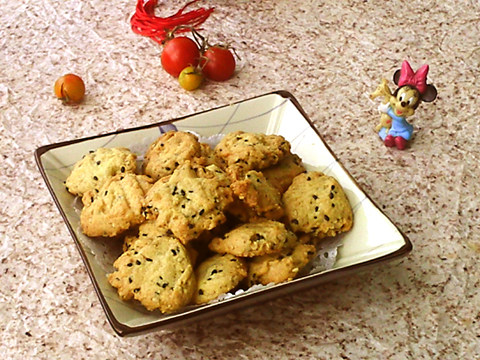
[95, 168]
[316, 203]
[146, 232]
[191, 200]
[254, 239]
[218, 275]
[258, 194]
[277, 268]
[116, 206]
[282, 174]
[157, 273]
[241, 151]
[170, 151]
[241, 211]
[207, 156]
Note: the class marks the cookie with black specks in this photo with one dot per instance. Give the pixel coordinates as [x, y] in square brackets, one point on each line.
[218, 275]
[171, 150]
[146, 232]
[192, 200]
[277, 268]
[157, 273]
[254, 239]
[242, 151]
[242, 211]
[282, 174]
[116, 206]
[258, 194]
[149, 231]
[98, 166]
[316, 203]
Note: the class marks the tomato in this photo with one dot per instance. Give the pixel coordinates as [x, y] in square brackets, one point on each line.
[218, 63]
[178, 53]
[190, 79]
[70, 88]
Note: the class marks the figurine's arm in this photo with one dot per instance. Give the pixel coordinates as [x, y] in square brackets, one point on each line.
[383, 107]
[382, 90]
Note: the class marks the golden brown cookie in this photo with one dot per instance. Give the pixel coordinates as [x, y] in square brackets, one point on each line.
[218, 275]
[258, 194]
[316, 203]
[190, 201]
[241, 151]
[241, 211]
[98, 166]
[146, 232]
[282, 174]
[170, 151]
[254, 239]
[157, 273]
[116, 206]
[207, 156]
[277, 268]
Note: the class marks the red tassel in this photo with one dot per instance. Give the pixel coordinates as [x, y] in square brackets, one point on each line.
[144, 22]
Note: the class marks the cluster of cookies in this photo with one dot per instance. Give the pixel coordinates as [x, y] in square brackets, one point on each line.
[198, 222]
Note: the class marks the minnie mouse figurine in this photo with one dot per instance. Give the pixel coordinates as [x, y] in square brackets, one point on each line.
[412, 89]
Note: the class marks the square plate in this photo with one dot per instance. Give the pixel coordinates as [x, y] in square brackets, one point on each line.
[373, 238]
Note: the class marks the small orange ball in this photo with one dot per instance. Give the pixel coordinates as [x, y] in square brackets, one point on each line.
[70, 88]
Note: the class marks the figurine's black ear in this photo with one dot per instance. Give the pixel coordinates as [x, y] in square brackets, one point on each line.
[396, 76]
[430, 94]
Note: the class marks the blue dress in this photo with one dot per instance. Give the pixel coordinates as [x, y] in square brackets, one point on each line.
[400, 127]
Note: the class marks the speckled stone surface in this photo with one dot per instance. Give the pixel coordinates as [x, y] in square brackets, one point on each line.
[330, 55]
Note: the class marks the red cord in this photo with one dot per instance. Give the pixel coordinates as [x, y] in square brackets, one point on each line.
[144, 22]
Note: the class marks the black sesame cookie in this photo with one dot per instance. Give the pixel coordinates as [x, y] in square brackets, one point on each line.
[241, 211]
[157, 273]
[190, 201]
[170, 151]
[241, 151]
[218, 275]
[258, 194]
[146, 232]
[316, 203]
[98, 166]
[277, 268]
[254, 239]
[116, 206]
[282, 174]
[207, 156]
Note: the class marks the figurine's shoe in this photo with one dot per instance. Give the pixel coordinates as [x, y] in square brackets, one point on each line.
[400, 143]
[389, 141]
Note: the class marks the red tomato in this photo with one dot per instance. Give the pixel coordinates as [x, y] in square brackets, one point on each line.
[70, 88]
[178, 53]
[218, 63]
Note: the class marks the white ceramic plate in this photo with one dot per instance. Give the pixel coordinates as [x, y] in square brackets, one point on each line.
[373, 238]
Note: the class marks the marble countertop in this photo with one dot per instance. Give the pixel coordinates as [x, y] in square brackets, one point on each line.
[330, 55]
